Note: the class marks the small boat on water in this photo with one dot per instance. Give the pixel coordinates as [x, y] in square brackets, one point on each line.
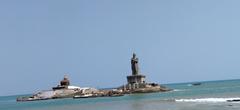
[84, 96]
[197, 84]
[90, 95]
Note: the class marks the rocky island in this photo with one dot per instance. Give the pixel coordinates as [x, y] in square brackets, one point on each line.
[135, 84]
[63, 90]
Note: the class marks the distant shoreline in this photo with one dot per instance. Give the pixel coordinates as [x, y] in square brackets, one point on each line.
[200, 81]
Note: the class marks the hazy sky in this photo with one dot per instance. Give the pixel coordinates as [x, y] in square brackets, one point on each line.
[93, 40]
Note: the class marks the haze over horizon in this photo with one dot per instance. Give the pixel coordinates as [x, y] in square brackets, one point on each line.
[92, 41]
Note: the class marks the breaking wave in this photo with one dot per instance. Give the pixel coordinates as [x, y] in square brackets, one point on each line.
[211, 100]
[177, 90]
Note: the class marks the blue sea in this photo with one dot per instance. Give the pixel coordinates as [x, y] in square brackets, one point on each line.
[210, 95]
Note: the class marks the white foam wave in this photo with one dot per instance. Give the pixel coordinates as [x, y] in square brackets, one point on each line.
[177, 90]
[211, 100]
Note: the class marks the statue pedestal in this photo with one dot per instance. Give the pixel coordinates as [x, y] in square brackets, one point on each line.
[136, 79]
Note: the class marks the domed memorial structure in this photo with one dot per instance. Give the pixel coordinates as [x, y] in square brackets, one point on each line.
[63, 83]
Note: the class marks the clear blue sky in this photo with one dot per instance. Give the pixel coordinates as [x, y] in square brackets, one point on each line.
[93, 41]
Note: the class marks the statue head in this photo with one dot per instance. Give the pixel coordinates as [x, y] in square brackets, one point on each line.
[134, 55]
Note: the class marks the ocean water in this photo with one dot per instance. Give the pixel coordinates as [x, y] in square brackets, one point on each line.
[212, 95]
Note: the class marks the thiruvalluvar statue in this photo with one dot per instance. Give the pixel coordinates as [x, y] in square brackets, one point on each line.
[134, 62]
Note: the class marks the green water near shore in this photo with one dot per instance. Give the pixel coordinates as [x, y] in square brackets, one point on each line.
[211, 95]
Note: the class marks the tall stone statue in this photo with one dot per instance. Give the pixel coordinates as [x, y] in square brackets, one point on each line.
[134, 62]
